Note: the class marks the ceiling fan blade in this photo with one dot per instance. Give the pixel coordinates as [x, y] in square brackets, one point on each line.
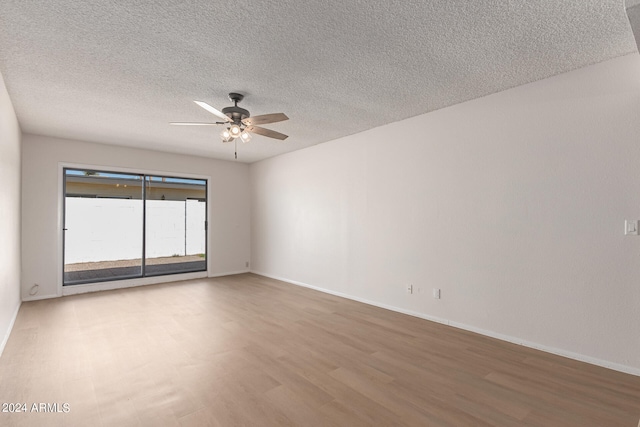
[213, 111]
[265, 118]
[266, 132]
[196, 123]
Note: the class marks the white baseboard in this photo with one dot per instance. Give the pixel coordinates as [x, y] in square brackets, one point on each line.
[560, 352]
[131, 283]
[230, 273]
[5, 339]
[39, 297]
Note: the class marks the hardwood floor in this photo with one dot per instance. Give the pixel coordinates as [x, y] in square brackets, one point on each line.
[247, 350]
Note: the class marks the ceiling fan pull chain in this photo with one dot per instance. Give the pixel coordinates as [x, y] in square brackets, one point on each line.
[235, 143]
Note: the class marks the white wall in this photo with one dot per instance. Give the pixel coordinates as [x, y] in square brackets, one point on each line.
[9, 215]
[512, 204]
[228, 235]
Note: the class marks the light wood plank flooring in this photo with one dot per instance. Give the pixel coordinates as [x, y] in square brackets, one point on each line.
[247, 350]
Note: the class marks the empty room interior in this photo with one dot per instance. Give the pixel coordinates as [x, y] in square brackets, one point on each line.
[336, 213]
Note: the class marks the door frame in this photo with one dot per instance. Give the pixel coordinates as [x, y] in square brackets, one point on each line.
[124, 283]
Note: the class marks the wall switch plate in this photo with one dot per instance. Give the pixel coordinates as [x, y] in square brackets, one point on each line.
[436, 293]
[631, 227]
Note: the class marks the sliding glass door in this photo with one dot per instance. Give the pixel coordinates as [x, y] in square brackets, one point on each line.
[122, 225]
[176, 218]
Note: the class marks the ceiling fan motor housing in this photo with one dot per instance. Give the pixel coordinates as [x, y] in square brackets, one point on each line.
[236, 113]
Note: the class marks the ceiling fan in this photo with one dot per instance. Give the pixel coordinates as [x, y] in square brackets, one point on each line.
[238, 121]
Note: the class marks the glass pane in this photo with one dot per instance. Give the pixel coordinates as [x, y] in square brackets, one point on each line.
[103, 222]
[176, 218]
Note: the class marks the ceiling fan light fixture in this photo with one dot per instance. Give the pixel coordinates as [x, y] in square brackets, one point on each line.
[245, 136]
[235, 131]
[226, 135]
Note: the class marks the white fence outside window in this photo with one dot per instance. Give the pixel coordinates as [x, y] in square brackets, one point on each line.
[110, 229]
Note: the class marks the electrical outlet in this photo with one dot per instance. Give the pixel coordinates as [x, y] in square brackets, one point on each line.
[631, 227]
[409, 289]
[436, 293]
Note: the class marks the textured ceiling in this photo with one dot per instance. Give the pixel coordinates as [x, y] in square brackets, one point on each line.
[119, 72]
